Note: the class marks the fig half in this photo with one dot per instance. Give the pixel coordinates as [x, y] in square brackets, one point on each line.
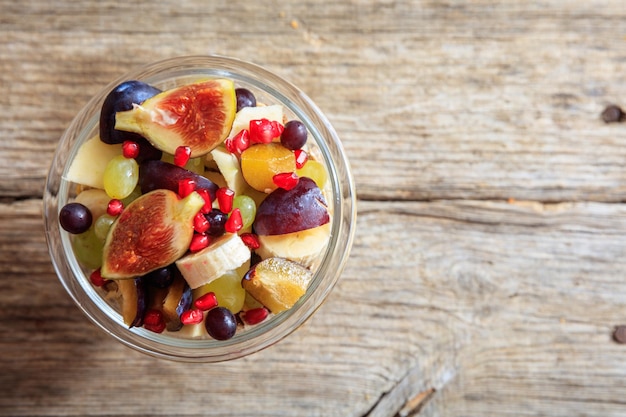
[198, 115]
[152, 232]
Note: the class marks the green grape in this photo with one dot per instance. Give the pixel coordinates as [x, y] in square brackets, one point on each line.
[102, 226]
[247, 207]
[132, 196]
[194, 164]
[88, 249]
[227, 289]
[120, 177]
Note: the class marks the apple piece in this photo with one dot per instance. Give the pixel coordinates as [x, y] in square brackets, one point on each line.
[223, 254]
[132, 295]
[244, 116]
[152, 232]
[228, 165]
[277, 283]
[288, 211]
[96, 200]
[154, 175]
[198, 115]
[303, 247]
[91, 160]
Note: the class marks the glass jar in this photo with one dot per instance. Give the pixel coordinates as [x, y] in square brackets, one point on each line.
[269, 89]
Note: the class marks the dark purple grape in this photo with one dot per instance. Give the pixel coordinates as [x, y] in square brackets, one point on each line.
[160, 278]
[217, 221]
[220, 323]
[147, 152]
[294, 136]
[122, 98]
[75, 218]
[245, 98]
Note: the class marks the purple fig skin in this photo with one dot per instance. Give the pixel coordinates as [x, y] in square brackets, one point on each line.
[154, 175]
[289, 211]
[141, 303]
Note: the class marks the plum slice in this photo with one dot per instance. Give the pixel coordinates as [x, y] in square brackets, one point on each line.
[152, 232]
[154, 175]
[288, 211]
[198, 115]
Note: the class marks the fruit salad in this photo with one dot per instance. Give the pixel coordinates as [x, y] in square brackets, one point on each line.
[197, 211]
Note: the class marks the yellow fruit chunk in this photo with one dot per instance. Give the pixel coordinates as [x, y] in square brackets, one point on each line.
[314, 170]
[277, 283]
[259, 164]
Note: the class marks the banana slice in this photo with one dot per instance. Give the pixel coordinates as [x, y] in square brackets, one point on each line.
[224, 254]
[303, 247]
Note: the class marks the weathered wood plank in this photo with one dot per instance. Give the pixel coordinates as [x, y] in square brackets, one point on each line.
[475, 100]
[504, 309]
[488, 266]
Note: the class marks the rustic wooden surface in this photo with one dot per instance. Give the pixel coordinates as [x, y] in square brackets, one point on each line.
[489, 266]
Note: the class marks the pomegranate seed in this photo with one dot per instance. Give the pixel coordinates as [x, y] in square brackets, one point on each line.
[153, 321]
[278, 128]
[208, 203]
[234, 223]
[130, 149]
[156, 328]
[152, 317]
[200, 223]
[199, 242]
[186, 186]
[230, 146]
[286, 180]
[182, 155]
[251, 240]
[264, 130]
[255, 315]
[238, 143]
[115, 207]
[96, 278]
[206, 301]
[225, 198]
[301, 158]
[192, 317]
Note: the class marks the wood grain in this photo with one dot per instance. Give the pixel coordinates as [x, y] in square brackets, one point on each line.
[488, 265]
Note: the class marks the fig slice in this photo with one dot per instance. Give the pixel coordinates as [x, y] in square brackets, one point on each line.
[152, 232]
[198, 115]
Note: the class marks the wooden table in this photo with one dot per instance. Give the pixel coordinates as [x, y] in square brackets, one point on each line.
[488, 271]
